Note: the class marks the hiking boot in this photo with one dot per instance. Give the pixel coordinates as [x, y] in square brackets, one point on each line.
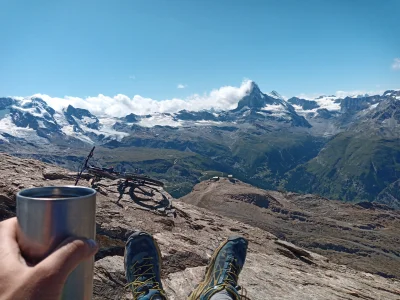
[223, 270]
[142, 261]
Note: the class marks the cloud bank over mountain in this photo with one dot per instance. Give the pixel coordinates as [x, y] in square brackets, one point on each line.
[224, 98]
[120, 105]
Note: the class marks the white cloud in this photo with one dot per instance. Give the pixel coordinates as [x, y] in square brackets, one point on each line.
[181, 86]
[308, 96]
[133, 77]
[120, 105]
[396, 64]
[341, 94]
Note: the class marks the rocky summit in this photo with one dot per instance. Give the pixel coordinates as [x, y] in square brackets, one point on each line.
[187, 235]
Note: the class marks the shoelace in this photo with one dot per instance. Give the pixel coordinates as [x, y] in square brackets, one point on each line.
[232, 273]
[243, 294]
[140, 287]
[233, 278]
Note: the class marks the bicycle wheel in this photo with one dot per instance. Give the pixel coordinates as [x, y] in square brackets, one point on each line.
[144, 179]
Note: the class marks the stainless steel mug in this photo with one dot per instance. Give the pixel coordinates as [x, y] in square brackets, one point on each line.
[47, 216]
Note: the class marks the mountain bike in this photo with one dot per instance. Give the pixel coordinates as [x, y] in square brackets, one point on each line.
[110, 173]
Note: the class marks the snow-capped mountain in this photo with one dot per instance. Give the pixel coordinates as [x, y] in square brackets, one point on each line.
[27, 118]
[336, 104]
[33, 120]
[382, 117]
[257, 106]
[329, 115]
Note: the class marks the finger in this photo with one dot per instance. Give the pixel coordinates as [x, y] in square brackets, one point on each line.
[9, 248]
[67, 257]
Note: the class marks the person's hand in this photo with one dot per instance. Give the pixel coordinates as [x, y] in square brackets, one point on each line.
[44, 280]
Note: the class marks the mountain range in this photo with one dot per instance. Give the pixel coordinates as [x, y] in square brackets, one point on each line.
[342, 148]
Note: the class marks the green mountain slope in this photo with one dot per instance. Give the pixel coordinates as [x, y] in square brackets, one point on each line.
[390, 195]
[253, 155]
[351, 167]
[262, 160]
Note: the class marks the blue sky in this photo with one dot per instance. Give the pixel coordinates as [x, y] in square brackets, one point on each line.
[147, 48]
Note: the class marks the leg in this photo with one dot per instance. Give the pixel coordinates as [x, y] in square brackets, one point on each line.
[222, 273]
[222, 295]
[143, 267]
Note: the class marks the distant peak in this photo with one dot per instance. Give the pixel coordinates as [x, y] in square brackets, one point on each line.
[78, 112]
[275, 94]
[37, 99]
[32, 102]
[70, 109]
[392, 93]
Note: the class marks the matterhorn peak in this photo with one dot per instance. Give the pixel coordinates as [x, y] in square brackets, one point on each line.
[254, 88]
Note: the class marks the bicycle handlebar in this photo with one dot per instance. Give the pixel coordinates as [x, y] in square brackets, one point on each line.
[85, 165]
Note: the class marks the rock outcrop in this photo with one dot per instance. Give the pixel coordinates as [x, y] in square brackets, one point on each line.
[274, 269]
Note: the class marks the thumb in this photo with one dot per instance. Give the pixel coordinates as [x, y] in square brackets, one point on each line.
[67, 257]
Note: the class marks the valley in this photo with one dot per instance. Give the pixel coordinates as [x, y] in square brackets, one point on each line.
[345, 149]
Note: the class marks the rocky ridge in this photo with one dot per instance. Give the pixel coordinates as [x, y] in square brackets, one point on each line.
[274, 269]
[364, 236]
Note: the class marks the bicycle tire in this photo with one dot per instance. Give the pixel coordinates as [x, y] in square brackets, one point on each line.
[145, 180]
[128, 176]
[102, 173]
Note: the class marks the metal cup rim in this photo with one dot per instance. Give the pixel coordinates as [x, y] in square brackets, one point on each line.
[29, 193]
